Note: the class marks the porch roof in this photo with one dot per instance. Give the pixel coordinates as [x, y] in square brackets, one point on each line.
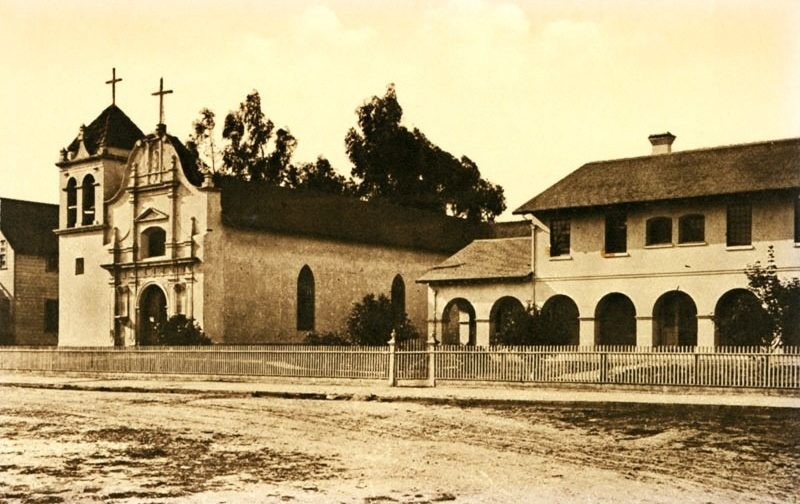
[503, 258]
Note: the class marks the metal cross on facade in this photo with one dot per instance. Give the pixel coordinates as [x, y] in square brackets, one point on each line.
[113, 83]
[160, 93]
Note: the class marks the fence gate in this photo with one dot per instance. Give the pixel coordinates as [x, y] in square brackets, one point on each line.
[412, 364]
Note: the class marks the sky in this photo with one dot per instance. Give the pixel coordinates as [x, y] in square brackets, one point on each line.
[528, 89]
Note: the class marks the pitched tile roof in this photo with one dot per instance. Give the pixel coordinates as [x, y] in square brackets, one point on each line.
[28, 226]
[303, 212]
[501, 258]
[762, 166]
[112, 128]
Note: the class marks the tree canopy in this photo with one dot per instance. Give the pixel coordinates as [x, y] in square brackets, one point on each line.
[390, 161]
[404, 166]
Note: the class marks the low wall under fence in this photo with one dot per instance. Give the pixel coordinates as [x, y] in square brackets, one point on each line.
[679, 366]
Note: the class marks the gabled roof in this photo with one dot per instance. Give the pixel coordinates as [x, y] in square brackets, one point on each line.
[112, 128]
[762, 166]
[28, 226]
[501, 258]
[304, 212]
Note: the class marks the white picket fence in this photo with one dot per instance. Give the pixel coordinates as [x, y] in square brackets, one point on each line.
[756, 367]
[682, 366]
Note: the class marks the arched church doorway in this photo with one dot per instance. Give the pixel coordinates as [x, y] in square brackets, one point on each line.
[675, 320]
[458, 323]
[615, 320]
[561, 315]
[152, 314]
[503, 311]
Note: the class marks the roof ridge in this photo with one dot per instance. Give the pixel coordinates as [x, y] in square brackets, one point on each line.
[17, 200]
[691, 151]
[735, 168]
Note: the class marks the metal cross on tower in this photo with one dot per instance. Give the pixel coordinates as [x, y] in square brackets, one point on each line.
[160, 93]
[113, 83]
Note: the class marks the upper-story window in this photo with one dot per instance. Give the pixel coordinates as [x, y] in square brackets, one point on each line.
[72, 202]
[659, 231]
[154, 242]
[3, 260]
[739, 224]
[616, 233]
[559, 237]
[692, 229]
[87, 188]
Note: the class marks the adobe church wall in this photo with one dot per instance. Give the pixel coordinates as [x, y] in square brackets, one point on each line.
[260, 282]
[84, 299]
[29, 303]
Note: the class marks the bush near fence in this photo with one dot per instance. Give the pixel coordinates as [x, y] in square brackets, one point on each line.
[761, 367]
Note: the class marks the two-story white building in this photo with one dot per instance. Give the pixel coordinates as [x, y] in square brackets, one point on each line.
[637, 251]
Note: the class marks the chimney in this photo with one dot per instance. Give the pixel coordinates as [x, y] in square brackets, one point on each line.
[662, 142]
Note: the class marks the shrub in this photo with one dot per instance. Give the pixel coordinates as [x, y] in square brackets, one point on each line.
[531, 327]
[779, 298]
[179, 330]
[328, 338]
[372, 320]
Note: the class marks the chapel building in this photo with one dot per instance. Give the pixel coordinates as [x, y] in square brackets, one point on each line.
[144, 235]
[639, 251]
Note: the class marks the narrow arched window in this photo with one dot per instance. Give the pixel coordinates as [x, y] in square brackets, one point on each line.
[398, 298]
[153, 243]
[659, 231]
[305, 300]
[72, 203]
[87, 188]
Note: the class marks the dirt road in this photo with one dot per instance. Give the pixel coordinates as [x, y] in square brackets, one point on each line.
[81, 446]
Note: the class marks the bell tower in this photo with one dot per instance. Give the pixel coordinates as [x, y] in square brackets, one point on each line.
[91, 171]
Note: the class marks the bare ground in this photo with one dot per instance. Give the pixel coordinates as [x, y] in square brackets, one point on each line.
[84, 446]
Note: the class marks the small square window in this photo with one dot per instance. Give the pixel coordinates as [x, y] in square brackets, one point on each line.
[692, 229]
[659, 231]
[559, 237]
[79, 266]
